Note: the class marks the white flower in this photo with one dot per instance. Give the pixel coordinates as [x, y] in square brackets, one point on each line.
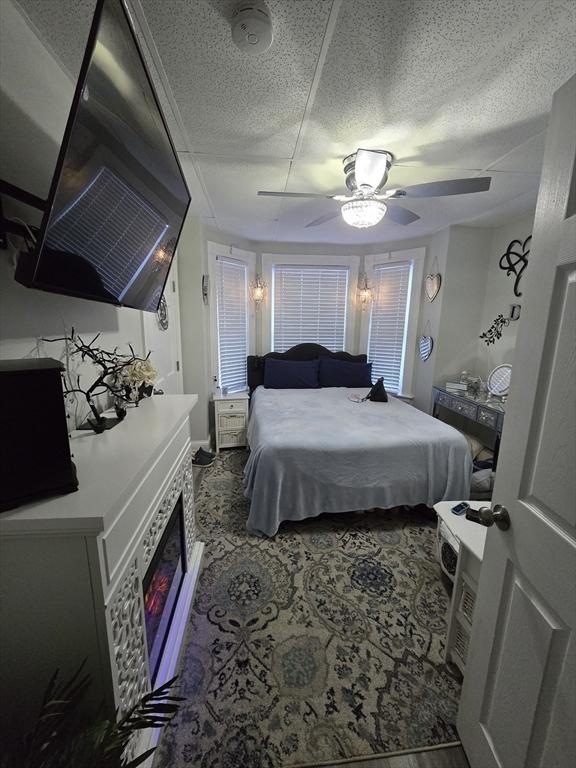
[138, 373]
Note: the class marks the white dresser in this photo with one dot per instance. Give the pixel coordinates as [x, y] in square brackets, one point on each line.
[231, 419]
[72, 567]
[470, 538]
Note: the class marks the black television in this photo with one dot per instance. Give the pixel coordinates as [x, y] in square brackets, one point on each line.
[118, 197]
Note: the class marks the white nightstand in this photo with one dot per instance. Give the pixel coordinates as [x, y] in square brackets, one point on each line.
[471, 538]
[231, 419]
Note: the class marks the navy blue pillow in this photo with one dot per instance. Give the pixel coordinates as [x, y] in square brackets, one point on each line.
[290, 374]
[340, 373]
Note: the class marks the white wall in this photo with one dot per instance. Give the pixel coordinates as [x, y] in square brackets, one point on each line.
[464, 287]
[429, 319]
[36, 95]
[500, 294]
[195, 323]
[474, 290]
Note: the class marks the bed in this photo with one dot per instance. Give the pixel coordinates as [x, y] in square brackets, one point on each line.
[315, 450]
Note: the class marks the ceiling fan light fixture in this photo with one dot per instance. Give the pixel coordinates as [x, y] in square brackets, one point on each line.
[363, 213]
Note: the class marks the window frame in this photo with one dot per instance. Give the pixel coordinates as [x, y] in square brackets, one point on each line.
[352, 263]
[248, 258]
[416, 256]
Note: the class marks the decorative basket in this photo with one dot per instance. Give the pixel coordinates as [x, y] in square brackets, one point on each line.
[233, 437]
[231, 421]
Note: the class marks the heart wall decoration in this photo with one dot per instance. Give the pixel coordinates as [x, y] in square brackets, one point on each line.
[425, 346]
[432, 286]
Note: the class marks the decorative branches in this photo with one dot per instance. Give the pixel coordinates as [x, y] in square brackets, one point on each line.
[494, 333]
[126, 378]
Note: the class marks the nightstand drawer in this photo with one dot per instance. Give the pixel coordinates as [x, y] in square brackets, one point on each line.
[489, 418]
[231, 421]
[225, 406]
[232, 438]
[466, 409]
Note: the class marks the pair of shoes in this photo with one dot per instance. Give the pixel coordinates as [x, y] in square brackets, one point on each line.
[203, 458]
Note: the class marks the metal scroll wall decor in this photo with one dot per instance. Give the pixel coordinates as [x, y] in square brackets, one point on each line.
[432, 285]
[515, 261]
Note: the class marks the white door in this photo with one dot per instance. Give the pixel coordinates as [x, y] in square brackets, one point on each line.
[519, 697]
[165, 345]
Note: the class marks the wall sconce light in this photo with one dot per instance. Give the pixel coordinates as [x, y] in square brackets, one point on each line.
[258, 289]
[365, 293]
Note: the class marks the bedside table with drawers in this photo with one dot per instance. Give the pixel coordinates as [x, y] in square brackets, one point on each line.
[231, 419]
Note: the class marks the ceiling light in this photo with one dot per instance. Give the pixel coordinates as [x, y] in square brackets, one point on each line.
[363, 213]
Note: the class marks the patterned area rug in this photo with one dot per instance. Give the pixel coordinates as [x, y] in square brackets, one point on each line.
[320, 644]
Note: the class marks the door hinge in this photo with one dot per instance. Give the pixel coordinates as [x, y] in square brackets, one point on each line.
[173, 286]
[177, 365]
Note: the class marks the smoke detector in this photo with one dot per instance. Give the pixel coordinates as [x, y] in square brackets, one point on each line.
[252, 27]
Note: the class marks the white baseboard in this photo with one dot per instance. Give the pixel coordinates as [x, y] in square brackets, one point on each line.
[206, 443]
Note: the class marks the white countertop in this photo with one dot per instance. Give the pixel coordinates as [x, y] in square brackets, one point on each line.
[472, 535]
[108, 467]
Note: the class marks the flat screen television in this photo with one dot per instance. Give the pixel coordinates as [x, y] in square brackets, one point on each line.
[118, 197]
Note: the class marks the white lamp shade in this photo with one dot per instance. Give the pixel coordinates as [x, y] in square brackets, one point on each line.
[363, 213]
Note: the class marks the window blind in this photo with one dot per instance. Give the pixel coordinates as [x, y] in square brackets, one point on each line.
[309, 305]
[232, 322]
[389, 322]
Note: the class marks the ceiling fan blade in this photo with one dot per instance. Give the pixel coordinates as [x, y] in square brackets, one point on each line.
[451, 187]
[293, 194]
[322, 219]
[401, 215]
[370, 167]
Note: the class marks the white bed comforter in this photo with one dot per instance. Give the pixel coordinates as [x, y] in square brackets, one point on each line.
[315, 451]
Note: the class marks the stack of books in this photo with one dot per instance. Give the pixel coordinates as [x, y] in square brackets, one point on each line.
[456, 388]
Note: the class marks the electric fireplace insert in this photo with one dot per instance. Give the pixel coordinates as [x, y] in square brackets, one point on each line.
[162, 585]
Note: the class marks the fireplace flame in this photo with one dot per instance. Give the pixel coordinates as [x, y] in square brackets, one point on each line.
[156, 594]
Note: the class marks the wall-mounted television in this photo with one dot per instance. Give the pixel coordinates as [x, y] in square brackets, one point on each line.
[118, 197]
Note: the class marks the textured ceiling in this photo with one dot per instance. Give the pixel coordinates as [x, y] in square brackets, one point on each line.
[452, 88]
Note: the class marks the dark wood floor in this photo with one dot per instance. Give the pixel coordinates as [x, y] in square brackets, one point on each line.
[448, 757]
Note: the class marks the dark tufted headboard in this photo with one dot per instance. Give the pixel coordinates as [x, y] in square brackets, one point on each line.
[255, 365]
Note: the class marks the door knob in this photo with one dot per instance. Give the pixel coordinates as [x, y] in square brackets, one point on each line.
[499, 516]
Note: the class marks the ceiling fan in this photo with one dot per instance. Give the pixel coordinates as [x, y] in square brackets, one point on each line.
[366, 173]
